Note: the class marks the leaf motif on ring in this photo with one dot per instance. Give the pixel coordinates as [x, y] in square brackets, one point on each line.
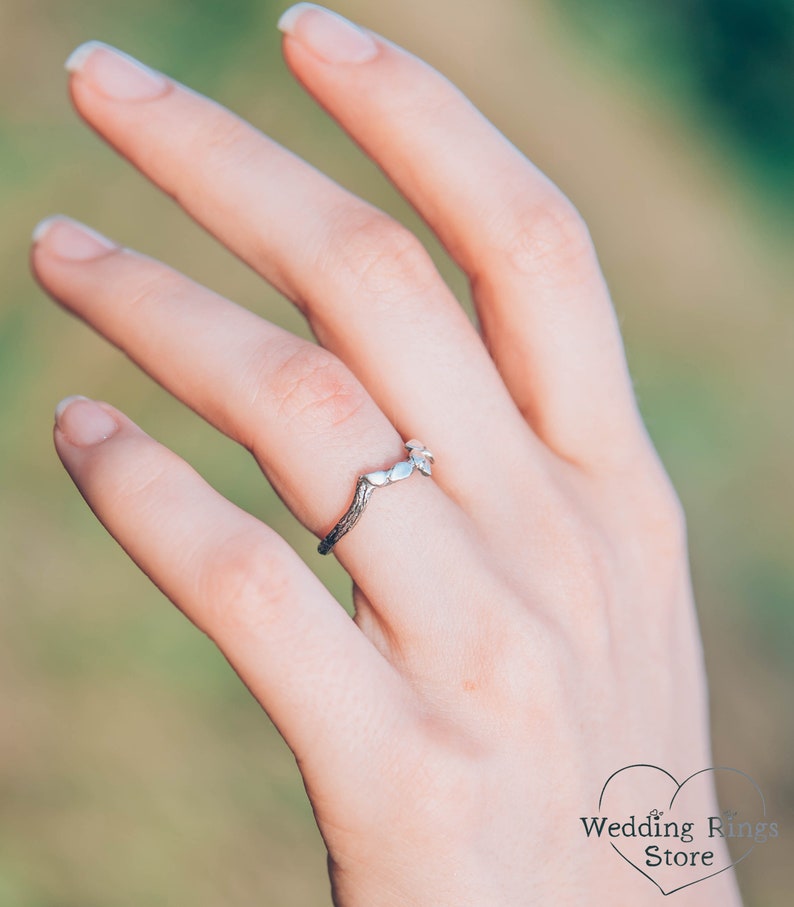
[422, 464]
[401, 470]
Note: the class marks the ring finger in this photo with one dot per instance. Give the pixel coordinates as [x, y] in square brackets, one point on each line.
[307, 419]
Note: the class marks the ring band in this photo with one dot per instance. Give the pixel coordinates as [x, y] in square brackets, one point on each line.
[419, 458]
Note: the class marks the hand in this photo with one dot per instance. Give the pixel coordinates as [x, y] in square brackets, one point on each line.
[524, 622]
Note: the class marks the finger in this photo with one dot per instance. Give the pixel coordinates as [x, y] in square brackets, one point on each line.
[308, 421]
[544, 308]
[313, 671]
[367, 286]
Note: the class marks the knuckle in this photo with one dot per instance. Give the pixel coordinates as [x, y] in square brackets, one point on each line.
[219, 139]
[135, 483]
[313, 386]
[582, 553]
[548, 237]
[588, 570]
[654, 513]
[245, 587]
[437, 101]
[376, 256]
[155, 285]
[664, 519]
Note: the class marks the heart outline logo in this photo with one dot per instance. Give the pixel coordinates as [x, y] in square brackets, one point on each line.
[678, 787]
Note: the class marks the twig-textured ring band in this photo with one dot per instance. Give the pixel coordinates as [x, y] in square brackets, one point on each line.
[419, 458]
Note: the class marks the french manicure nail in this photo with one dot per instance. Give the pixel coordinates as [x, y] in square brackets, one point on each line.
[327, 35]
[65, 238]
[115, 74]
[83, 422]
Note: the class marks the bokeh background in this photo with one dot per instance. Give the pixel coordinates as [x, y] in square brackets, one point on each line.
[134, 768]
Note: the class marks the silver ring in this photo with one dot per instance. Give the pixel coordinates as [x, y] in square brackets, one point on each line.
[419, 458]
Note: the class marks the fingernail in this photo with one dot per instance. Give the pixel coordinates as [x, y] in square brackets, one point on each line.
[83, 422]
[327, 35]
[65, 238]
[115, 74]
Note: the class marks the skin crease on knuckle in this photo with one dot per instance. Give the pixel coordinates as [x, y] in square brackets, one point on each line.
[315, 390]
[369, 255]
[422, 96]
[220, 140]
[150, 285]
[546, 237]
[129, 474]
[245, 588]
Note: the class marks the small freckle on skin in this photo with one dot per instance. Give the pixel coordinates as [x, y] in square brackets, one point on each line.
[470, 685]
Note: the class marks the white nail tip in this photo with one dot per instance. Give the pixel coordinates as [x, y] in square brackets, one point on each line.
[290, 16]
[61, 408]
[42, 228]
[76, 59]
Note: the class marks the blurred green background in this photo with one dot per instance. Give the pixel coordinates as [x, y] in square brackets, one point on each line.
[134, 768]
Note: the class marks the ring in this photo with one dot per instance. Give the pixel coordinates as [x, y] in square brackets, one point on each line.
[419, 457]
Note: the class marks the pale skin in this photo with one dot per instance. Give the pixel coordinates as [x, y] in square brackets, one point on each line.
[524, 621]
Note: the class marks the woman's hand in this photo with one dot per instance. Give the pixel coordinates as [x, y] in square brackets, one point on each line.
[524, 623]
